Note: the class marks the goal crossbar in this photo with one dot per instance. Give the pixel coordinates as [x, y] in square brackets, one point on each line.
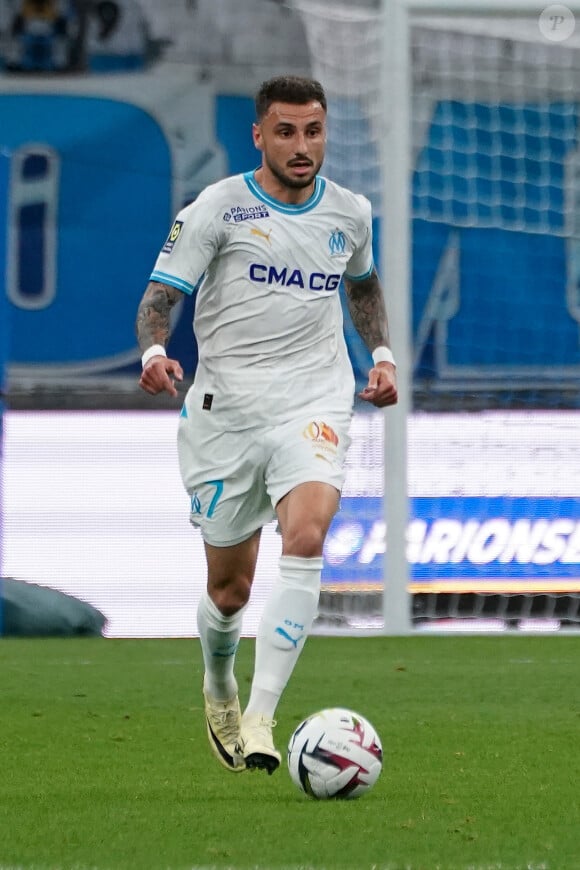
[480, 8]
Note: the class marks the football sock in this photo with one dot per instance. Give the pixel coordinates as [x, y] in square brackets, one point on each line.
[284, 626]
[219, 636]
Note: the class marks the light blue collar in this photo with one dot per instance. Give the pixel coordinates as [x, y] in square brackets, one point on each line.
[284, 207]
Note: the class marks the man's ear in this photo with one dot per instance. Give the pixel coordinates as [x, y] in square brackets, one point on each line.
[257, 136]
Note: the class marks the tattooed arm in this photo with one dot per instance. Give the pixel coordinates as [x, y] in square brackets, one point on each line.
[366, 305]
[152, 324]
[367, 309]
[153, 328]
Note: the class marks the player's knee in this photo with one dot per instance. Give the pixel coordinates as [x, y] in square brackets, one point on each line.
[230, 597]
[305, 541]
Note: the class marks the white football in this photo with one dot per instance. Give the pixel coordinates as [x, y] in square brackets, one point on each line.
[335, 753]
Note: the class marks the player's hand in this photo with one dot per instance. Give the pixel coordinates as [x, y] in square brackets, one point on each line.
[159, 375]
[381, 389]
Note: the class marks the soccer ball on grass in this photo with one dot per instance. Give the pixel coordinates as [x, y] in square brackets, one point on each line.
[335, 753]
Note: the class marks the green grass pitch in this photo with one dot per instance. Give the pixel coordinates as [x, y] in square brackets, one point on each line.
[105, 765]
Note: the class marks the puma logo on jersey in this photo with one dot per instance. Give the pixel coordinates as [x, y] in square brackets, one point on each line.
[262, 235]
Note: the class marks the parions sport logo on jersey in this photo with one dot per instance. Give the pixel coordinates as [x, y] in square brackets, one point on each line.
[239, 213]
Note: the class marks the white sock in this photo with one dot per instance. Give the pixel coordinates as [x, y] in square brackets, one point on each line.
[285, 625]
[219, 636]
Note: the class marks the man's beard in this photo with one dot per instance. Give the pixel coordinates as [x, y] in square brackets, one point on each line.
[291, 182]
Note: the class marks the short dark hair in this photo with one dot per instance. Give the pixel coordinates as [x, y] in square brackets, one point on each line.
[297, 90]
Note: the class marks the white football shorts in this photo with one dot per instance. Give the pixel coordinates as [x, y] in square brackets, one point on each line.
[235, 479]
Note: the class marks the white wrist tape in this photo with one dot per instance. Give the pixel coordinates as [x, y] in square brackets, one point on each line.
[154, 350]
[383, 354]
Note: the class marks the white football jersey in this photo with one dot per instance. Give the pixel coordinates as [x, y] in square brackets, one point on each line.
[268, 318]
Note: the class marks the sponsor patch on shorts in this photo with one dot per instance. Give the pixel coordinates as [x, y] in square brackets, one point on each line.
[320, 432]
[173, 236]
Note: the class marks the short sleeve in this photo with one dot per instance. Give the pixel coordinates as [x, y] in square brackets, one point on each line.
[361, 263]
[190, 246]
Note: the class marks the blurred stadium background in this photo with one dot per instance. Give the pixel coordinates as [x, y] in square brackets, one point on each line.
[117, 113]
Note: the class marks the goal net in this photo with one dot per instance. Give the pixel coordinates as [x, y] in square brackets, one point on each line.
[464, 134]
[493, 472]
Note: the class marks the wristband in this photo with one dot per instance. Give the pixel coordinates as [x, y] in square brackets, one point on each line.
[383, 354]
[154, 350]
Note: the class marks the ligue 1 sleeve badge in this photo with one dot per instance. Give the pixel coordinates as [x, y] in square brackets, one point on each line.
[173, 236]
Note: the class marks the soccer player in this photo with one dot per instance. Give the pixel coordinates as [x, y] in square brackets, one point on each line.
[263, 431]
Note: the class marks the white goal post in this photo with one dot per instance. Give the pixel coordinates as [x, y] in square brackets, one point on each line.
[395, 249]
